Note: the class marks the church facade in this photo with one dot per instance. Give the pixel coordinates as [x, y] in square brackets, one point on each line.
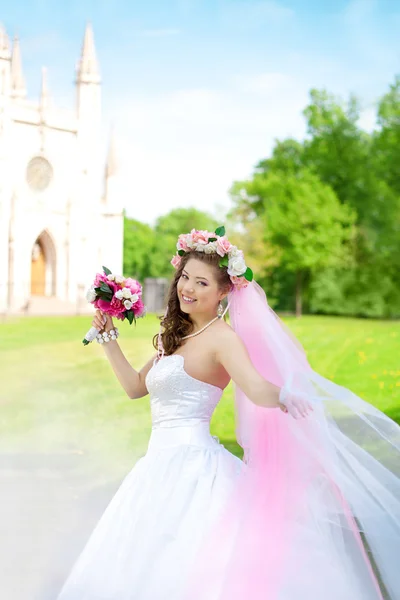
[61, 203]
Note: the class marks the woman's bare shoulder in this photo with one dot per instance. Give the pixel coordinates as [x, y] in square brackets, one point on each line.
[224, 331]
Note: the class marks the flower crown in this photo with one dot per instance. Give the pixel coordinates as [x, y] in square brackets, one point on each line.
[215, 243]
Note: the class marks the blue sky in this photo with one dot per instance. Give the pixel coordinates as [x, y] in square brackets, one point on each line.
[198, 90]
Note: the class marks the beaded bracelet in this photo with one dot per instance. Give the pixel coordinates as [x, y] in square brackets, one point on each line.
[107, 336]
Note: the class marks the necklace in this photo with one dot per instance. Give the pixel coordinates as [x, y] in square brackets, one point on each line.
[202, 329]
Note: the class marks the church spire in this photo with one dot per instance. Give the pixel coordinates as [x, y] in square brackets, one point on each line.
[18, 89]
[44, 92]
[4, 43]
[112, 159]
[88, 67]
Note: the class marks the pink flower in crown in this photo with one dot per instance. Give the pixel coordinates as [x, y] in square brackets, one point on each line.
[200, 236]
[182, 243]
[239, 282]
[133, 285]
[223, 245]
[176, 261]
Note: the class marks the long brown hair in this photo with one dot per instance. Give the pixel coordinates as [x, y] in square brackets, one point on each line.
[176, 324]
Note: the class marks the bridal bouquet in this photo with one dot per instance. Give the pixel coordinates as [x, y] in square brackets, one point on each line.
[116, 296]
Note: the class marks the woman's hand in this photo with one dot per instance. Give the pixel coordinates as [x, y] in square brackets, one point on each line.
[297, 404]
[102, 321]
[282, 407]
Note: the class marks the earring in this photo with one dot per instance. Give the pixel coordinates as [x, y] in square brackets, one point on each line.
[220, 310]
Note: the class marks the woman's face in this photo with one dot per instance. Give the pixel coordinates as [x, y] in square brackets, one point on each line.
[197, 288]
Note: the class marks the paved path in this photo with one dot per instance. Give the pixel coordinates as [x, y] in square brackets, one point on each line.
[47, 512]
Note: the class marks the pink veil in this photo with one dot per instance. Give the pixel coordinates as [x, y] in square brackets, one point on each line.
[315, 510]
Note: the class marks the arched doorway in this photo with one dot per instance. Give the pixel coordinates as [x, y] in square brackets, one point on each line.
[43, 266]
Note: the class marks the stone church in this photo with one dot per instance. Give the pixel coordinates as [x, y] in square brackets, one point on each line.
[61, 201]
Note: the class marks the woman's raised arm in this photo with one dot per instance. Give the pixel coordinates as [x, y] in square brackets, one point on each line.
[133, 382]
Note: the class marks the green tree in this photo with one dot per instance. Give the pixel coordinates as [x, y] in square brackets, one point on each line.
[305, 225]
[138, 246]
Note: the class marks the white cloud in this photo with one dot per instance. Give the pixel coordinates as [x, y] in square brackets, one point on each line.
[187, 147]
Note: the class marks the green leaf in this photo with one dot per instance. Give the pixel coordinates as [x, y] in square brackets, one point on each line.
[106, 271]
[104, 287]
[181, 252]
[220, 231]
[130, 316]
[212, 239]
[224, 261]
[248, 274]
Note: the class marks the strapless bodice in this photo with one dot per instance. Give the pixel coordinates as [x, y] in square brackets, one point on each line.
[176, 398]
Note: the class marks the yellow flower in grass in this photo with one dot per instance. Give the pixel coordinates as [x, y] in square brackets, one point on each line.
[369, 340]
[374, 375]
[381, 384]
[397, 383]
[384, 372]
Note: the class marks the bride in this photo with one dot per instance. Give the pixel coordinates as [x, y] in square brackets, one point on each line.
[312, 511]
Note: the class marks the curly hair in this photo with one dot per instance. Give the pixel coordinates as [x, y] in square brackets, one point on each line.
[176, 324]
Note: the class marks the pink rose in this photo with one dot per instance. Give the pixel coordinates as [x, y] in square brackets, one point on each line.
[182, 242]
[176, 261]
[115, 308]
[239, 282]
[134, 286]
[99, 278]
[200, 236]
[223, 245]
[138, 308]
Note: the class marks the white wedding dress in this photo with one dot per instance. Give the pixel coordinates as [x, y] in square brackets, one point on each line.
[143, 546]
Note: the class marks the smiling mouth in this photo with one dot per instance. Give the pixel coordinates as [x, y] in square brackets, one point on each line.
[187, 300]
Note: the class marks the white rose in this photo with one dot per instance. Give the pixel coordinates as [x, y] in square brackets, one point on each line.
[119, 279]
[119, 295]
[128, 304]
[236, 265]
[200, 247]
[110, 277]
[134, 298]
[91, 295]
[126, 293]
[189, 242]
[210, 248]
[234, 251]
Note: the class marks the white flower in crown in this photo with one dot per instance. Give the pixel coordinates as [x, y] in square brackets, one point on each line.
[126, 293]
[134, 298]
[111, 277]
[231, 256]
[236, 265]
[119, 279]
[234, 251]
[128, 304]
[118, 294]
[211, 248]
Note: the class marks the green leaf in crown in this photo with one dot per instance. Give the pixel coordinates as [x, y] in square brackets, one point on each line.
[106, 271]
[220, 231]
[224, 261]
[248, 274]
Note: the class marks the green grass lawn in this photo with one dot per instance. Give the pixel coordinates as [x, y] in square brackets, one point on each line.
[59, 396]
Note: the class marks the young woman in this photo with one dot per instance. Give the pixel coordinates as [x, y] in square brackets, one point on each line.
[312, 511]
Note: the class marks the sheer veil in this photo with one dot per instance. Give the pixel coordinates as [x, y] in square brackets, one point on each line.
[315, 491]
